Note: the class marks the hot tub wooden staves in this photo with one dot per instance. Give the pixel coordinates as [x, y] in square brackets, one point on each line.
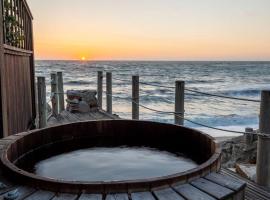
[212, 186]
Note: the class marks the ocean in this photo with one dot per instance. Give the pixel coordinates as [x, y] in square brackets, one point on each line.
[235, 79]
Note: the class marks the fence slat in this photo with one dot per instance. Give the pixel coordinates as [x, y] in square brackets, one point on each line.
[100, 88]
[42, 104]
[179, 102]
[61, 94]
[109, 91]
[135, 98]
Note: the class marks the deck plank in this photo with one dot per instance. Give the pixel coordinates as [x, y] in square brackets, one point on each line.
[192, 193]
[142, 196]
[22, 191]
[167, 194]
[63, 196]
[121, 196]
[226, 181]
[212, 189]
[251, 186]
[67, 117]
[41, 195]
[90, 197]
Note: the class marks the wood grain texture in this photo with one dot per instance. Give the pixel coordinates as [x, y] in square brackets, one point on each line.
[212, 189]
[41, 195]
[90, 197]
[192, 193]
[18, 109]
[2, 117]
[142, 196]
[62, 196]
[167, 194]
[226, 181]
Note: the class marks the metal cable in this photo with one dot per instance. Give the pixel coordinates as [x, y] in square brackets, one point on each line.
[191, 121]
[143, 106]
[195, 91]
[223, 96]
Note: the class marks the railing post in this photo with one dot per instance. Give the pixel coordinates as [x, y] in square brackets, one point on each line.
[54, 96]
[263, 154]
[42, 104]
[179, 102]
[61, 94]
[100, 88]
[135, 98]
[249, 136]
[109, 91]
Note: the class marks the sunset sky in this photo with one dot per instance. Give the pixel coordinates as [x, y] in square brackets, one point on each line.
[152, 29]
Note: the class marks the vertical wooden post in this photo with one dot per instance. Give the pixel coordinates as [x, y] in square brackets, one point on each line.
[179, 102]
[263, 154]
[3, 107]
[135, 98]
[42, 104]
[54, 94]
[249, 139]
[109, 91]
[100, 88]
[61, 94]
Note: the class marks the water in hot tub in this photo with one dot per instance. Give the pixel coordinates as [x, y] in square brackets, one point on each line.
[112, 164]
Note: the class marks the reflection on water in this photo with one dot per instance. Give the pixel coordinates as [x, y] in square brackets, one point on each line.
[237, 79]
[111, 164]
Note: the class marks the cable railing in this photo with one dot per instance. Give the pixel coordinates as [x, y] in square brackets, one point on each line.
[196, 91]
[186, 119]
[177, 114]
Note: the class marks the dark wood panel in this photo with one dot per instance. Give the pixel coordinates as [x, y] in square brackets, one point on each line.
[17, 93]
[1, 63]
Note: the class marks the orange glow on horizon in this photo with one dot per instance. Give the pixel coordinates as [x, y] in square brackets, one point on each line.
[151, 30]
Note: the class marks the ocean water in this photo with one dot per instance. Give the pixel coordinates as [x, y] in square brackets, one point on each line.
[236, 79]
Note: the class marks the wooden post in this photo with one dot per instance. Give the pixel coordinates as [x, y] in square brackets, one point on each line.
[135, 98]
[61, 94]
[42, 104]
[100, 88]
[54, 96]
[179, 102]
[249, 136]
[3, 102]
[263, 154]
[109, 91]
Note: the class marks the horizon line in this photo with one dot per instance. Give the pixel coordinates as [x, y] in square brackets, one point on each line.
[149, 60]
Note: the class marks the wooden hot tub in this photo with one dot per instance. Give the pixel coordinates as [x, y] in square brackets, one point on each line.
[40, 144]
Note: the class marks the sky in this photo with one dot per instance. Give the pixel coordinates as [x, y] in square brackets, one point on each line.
[151, 29]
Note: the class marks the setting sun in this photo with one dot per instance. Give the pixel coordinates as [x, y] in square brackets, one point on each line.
[83, 58]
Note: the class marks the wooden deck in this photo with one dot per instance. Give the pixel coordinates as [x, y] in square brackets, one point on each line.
[67, 117]
[222, 185]
[212, 187]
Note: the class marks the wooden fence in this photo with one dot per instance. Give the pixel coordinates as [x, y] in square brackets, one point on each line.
[17, 108]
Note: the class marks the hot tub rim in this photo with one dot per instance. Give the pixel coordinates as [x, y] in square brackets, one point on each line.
[210, 165]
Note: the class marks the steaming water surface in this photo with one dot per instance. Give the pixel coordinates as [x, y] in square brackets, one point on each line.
[112, 164]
